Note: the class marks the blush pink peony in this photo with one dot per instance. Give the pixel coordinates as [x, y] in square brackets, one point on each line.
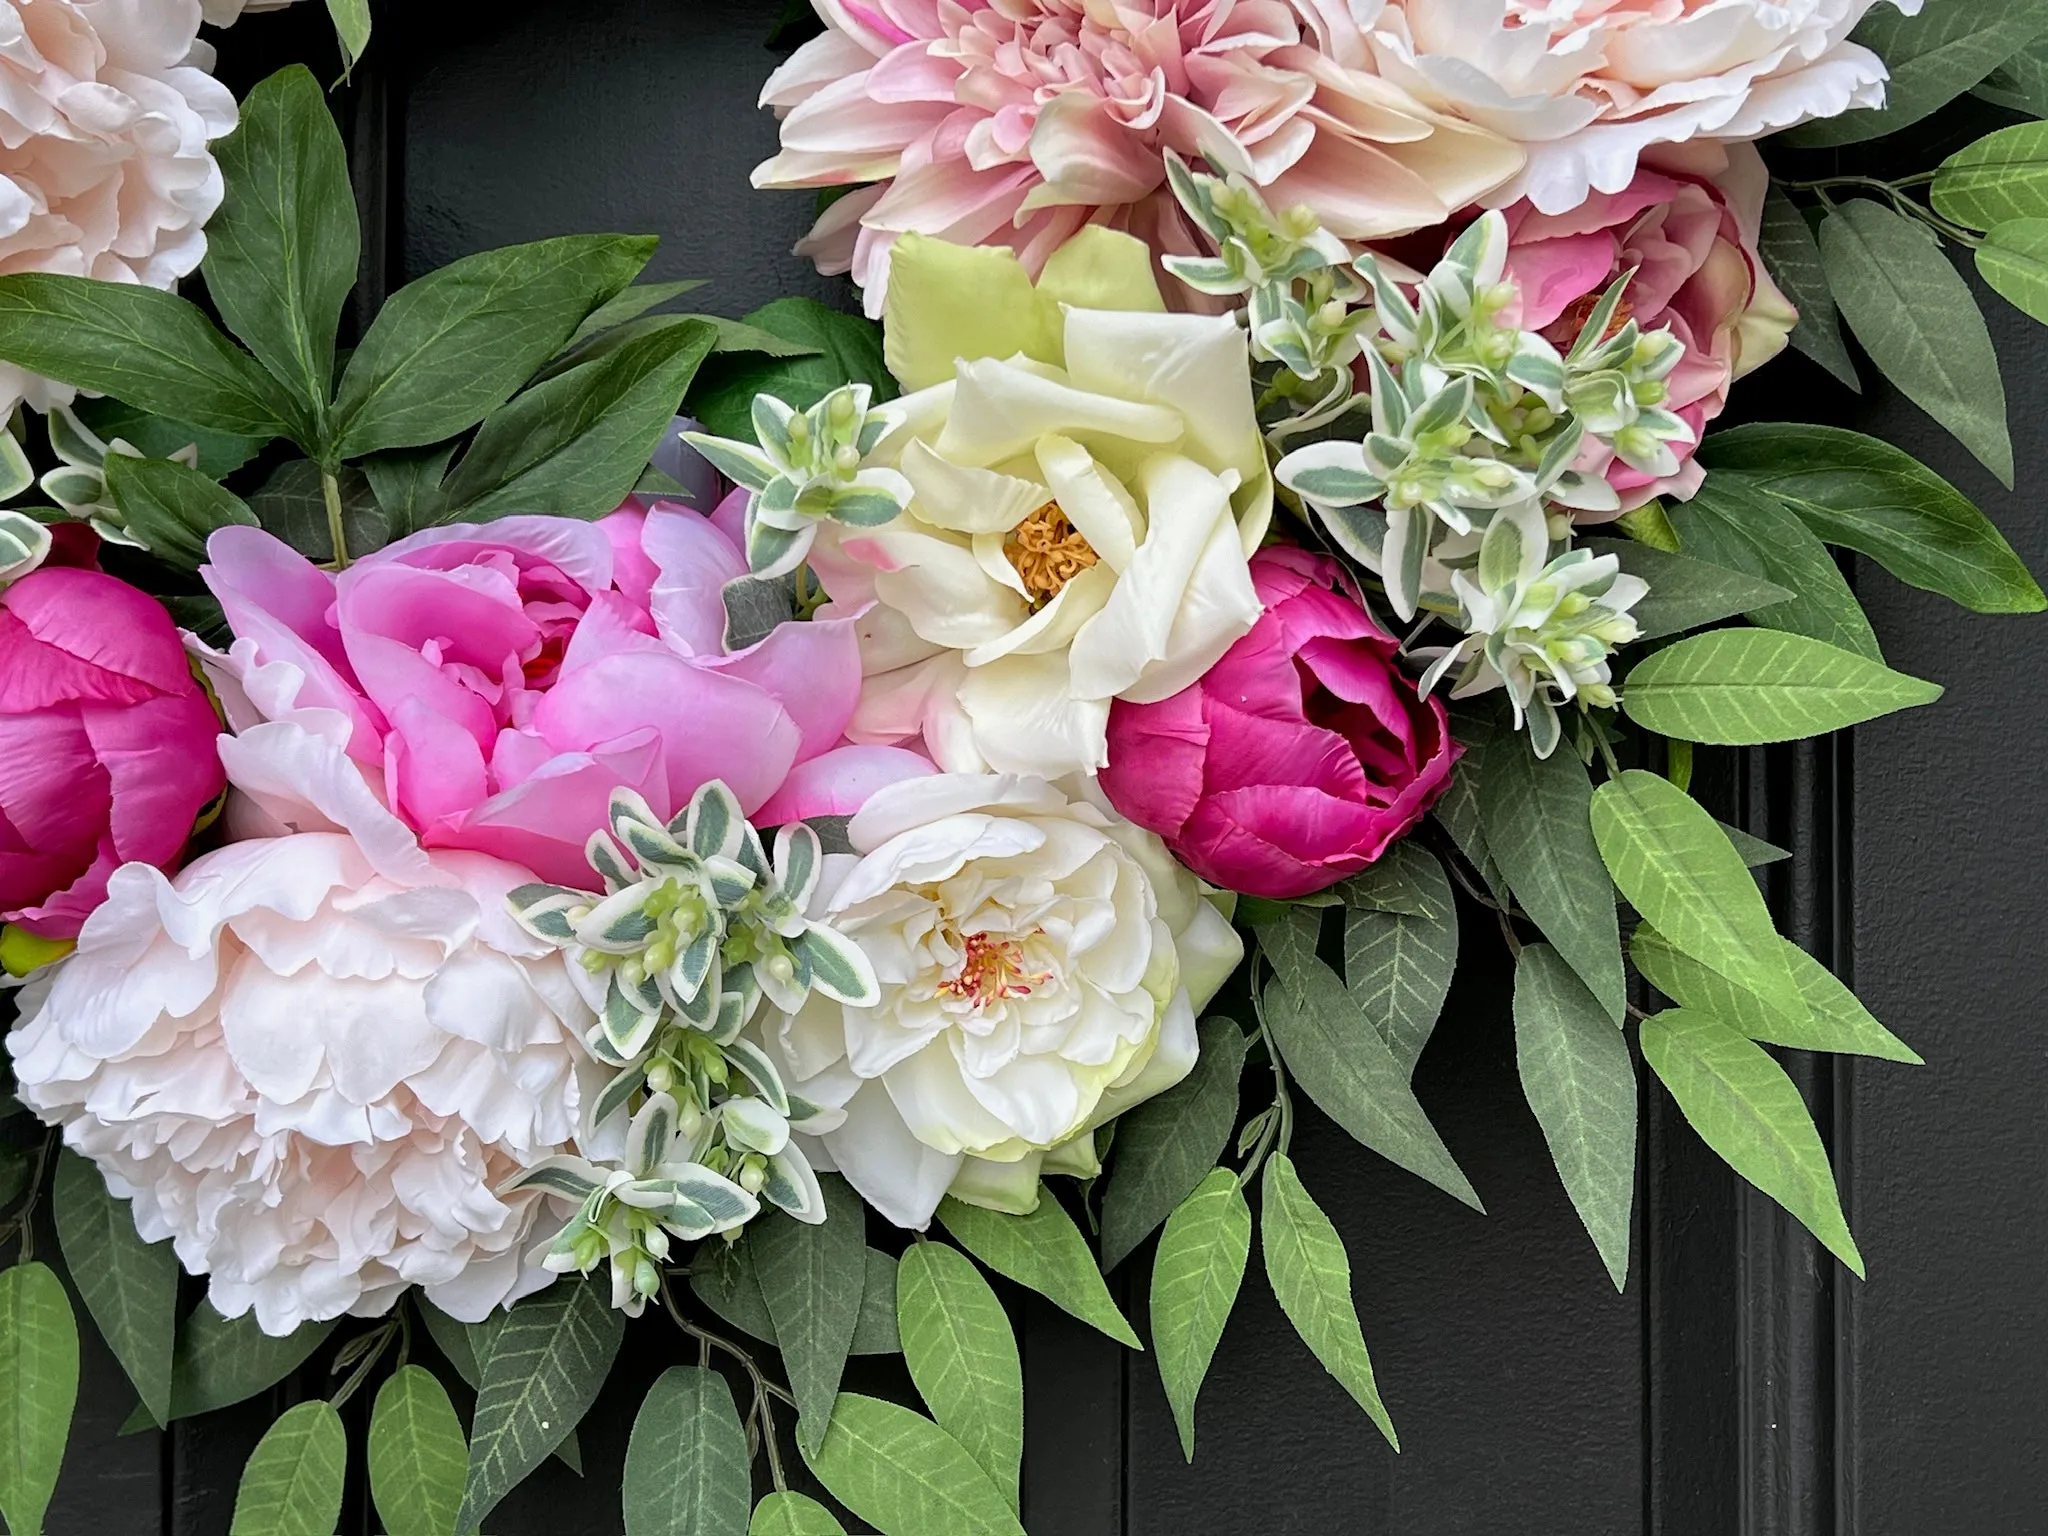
[1015, 122]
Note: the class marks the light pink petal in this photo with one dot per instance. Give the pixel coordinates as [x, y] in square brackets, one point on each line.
[249, 569]
[580, 550]
[693, 560]
[813, 669]
[433, 768]
[633, 572]
[544, 822]
[839, 782]
[1554, 274]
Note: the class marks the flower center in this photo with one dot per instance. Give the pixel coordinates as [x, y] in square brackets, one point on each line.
[1047, 552]
[991, 971]
[1564, 330]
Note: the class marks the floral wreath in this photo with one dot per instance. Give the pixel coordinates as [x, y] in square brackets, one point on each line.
[568, 810]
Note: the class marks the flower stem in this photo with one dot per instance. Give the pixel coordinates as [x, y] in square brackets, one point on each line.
[330, 489]
[764, 1389]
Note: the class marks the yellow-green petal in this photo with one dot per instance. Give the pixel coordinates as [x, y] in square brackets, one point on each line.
[948, 302]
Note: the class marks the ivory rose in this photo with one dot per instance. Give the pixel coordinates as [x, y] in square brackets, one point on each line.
[1087, 486]
[1016, 123]
[1040, 962]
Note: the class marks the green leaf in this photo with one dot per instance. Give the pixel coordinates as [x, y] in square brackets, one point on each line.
[281, 254]
[418, 1456]
[875, 1332]
[407, 487]
[2020, 84]
[159, 437]
[351, 26]
[153, 350]
[1195, 1280]
[811, 1277]
[628, 305]
[2000, 177]
[1581, 1084]
[1341, 1062]
[963, 1358]
[1734, 521]
[2014, 261]
[1873, 498]
[1676, 867]
[1747, 687]
[1933, 58]
[292, 505]
[1458, 810]
[1747, 1109]
[575, 445]
[551, 1355]
[793, 1514]
[220, 1360]
[1838, 1021]
[849, 350]
[1311, 1278]
[292, 1484]
[38, 1390]
[1397, 967]
[1166, 1145]
[452, 347]
[1686, 593]
[1920, 324]
[172, 509]
[1044, 1251]
[1793, 257]
[130, 1287]
[1535, 811]
[687, 1463]
[905, 1475]
[1406, 879]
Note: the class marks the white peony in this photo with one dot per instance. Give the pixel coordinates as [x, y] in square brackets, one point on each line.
[1040, 963]
[1585, 88]
[225, 13]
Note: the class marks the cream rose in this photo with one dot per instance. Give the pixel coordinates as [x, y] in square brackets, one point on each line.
[1040, 962]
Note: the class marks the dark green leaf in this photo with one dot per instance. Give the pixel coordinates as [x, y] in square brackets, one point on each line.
[1687, 593]
[158, 437]
[1458, 810]
[407, 487]
[1195, 1280]
[38, 1390]
[130, 1287]
[905, 1475]
[452, 1339]
[222, 1360]
[811, 1278]
[1406, 880]
[292, 1484]
[1933, 58]
[172, 509]
[629, 304]
[722, 1277]
[849, 350]
[1748, 687]
[293, 506]
[418, 1456]
[1793, 256]
[1044, 1251]
[1397, 966]
[2002, 176]
[1166, 1145]
[686, 1464]
[963, 1358]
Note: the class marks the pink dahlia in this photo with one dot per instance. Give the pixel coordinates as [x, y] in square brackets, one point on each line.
[1015, 122]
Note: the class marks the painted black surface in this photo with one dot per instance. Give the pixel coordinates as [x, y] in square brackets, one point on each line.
[1743, 1386]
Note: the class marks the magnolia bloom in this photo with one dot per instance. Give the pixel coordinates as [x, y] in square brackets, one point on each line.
[106, 111]
[1585, 86]
[1040, 961]
[1016, 123]
[1087, 487]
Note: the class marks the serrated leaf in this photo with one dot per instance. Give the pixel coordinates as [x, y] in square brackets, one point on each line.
[1044, 1251]
[793, 1514]
[1398, 968]
[1748, 687]
[418, 1456]
[1687, 593]
[963, 1358]
[1793, 256]
[1166, 1145]
[38, 1390]
[1747, 1109]
[292, 1484]
[687, 1463]
[1920, 324]
[1581, 1085]
[1932, 58]
[1311, 1278]
[172, 509]
[811, 1278]
[1837, 1019]
[1536, 812]
[1195, 1280]
[550, 1357]
[1868, 496]
[221, 1360]
[130, 1287]
[905, 1475]
[2002, 176]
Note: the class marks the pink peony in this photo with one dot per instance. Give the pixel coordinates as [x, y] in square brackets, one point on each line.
[503, 679]
[106, 744]
[1014, 122]
[1299, 757]
[1687, 226]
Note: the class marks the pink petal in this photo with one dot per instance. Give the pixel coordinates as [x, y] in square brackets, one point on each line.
[839, 782]
[1554, 274]
[248, 569]
[544, 822]
[1154, 774]
[433, 768]
[813, 669]
[68, 634]
[633, 572]
[164, 769]
[693, 560]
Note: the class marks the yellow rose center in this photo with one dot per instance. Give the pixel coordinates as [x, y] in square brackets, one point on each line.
[992, 970]
[1047, 552]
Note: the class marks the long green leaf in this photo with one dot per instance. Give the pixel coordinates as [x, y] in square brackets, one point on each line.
[1166, 1145]
[1920, 324]
[1747, 687]
[1539, 831]
[1581, 1084]
[793, 1514]
[1793, 256]
[292, 1484]
[130, 1287]
[38, 1390]
[687, 1463]
[220, 1360]
[171, 509]
[963, 1358]
[1311, 1278]
[2000, 177]
[905, 1475]
[812, 1277]
[1837, 1020]
[1932, 58]
[1195, 1280]
[549, 1358]
[1044, 1251]
[1868, 496]
[2014, 260]
[1687, 593]
[351, 20]
[846, 350]
[1397, 968]
[281, 254]
[1747, 1109]
[418, 1456]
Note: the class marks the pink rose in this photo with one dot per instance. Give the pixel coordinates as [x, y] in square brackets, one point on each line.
[1687, 224]
[503, 679]
[1299, 757]
[106, 744]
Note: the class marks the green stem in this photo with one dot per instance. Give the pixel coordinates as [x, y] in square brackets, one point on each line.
[330, 489]
[764, 1389]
